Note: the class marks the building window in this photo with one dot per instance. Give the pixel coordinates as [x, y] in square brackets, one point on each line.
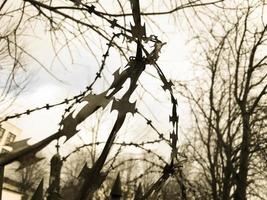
[2, 131]
[10, 138]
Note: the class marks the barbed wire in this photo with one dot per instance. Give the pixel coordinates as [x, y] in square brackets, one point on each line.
[138, 145]
[75, 99]
[150, 123]
[123, 106]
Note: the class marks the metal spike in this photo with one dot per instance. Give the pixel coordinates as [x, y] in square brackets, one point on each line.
[38, 194]
[139, 193]
[69, 126]
[85, 171]
[123, 106]
[116, 192]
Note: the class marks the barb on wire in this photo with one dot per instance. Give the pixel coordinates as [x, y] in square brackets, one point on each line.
[150, 123]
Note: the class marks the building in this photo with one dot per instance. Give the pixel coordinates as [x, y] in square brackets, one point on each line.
[11, 190]
[8, 134]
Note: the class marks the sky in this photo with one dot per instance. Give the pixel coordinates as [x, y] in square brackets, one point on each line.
[75, 74]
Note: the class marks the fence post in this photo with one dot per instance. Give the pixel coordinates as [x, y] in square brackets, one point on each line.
[54, 179]
[38, 194]
[2, 169]
[138, 195]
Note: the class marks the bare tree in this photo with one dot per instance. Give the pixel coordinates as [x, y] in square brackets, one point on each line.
[228, 106]
[29, 178]
[13, 75]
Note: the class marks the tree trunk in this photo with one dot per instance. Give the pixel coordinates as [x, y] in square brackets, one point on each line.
[241, 186]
